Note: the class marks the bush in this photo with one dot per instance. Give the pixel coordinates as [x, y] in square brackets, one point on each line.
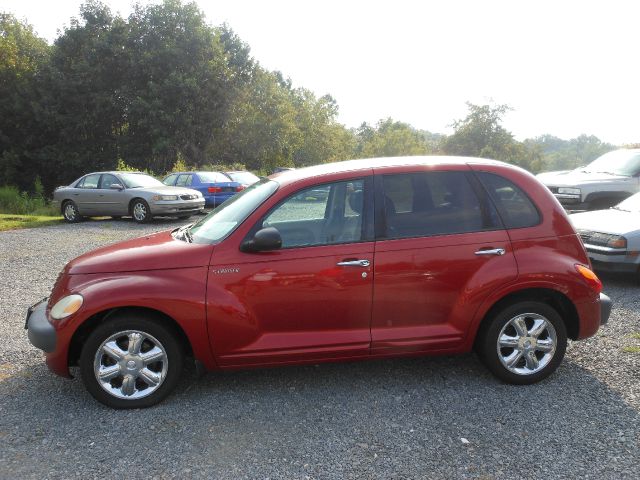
[13, 201]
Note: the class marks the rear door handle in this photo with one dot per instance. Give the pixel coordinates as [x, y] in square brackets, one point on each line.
[492, 251]
[354, 263]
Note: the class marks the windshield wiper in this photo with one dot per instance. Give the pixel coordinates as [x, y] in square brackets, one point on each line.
[184, 234]
[621, 209]
[187, 233]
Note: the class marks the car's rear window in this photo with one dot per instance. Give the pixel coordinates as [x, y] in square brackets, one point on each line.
[515, 207]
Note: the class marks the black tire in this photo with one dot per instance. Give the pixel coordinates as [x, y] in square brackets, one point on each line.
[70, 212]
[132, 369]
[140, 211]
[522, 371]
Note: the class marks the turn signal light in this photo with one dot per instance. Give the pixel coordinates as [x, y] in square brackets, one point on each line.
[590, 277]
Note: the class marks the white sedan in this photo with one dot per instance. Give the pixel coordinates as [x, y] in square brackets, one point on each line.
[612, 236]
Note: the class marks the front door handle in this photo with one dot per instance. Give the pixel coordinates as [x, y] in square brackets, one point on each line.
[492, 251]
[354, 263]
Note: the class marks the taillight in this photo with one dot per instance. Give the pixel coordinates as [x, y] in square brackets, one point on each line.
[214, 189]
[591, 278]
[239, 188]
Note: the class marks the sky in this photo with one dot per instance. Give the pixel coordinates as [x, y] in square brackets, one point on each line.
[564, 67]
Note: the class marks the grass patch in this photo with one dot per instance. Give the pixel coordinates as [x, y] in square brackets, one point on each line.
[635, 335]
[10, 221]
[631, 349]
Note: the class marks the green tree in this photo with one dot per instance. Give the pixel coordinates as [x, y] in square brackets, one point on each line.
[323, 139]
[480, 134]
[177, 85]
[263, 130]
[390, 138]
[87, 95]
[23, 56]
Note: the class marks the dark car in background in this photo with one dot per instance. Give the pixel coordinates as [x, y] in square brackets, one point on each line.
[215, 187]
[118, 194]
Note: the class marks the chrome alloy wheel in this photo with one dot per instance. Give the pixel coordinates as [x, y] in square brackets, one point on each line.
[527, 343]
[70, 212]
[139, 211]
[130, 364]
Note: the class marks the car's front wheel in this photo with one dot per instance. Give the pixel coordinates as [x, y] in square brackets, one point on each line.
[70, 212]
[140, 211]
[131, 361]
[523, 343]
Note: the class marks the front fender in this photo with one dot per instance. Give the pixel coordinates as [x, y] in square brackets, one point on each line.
[176, 293]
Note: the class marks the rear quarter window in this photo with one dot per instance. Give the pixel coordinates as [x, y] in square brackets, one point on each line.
[514, 205]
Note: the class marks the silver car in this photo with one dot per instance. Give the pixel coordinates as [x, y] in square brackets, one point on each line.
[119, 194]
[612, 236]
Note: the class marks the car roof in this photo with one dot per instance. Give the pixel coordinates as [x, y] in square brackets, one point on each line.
[114, 172]
[375, 163]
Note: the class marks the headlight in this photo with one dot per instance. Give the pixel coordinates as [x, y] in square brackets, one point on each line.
[617, 242]
[66, 306]
[165, 197]
[604, 239]
[569, 191]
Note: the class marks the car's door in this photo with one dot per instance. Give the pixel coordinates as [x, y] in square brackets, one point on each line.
[440, 250]
[310, 299]
[111, 201]
[86, 195]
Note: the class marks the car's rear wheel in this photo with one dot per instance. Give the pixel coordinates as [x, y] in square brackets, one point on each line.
[140, 211]
[70, 212]
[523, 343]
[131, 361]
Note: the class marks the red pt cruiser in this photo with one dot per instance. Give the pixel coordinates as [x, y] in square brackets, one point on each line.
[361, 259]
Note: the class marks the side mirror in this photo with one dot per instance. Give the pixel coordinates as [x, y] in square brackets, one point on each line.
[116, 186]
[264, 240]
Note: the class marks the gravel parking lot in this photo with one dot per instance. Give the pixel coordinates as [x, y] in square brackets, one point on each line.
[416, 418]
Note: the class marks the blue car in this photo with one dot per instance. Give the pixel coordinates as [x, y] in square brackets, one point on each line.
[216, 187]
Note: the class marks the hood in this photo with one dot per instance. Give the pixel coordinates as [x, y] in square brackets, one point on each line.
[168, 190]
[578, 177]
[154, 252]
[612, 221]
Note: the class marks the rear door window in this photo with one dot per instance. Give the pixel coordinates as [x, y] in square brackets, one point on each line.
[90, 181]
[434, 203]
[107, 181]
[515, 207]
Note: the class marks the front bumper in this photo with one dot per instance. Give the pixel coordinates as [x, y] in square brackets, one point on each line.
[571, 202]
[184, 207]
[613, 260]
[41, 333]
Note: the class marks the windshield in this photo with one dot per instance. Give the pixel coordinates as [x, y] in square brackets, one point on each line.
[225, 218]
[631, 204]
[246, 178]
[139, 180]
[618, 162]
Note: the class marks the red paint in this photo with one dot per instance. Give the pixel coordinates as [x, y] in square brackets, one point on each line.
[419, 296]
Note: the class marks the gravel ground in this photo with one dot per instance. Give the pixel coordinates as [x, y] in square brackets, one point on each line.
[419, 418]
